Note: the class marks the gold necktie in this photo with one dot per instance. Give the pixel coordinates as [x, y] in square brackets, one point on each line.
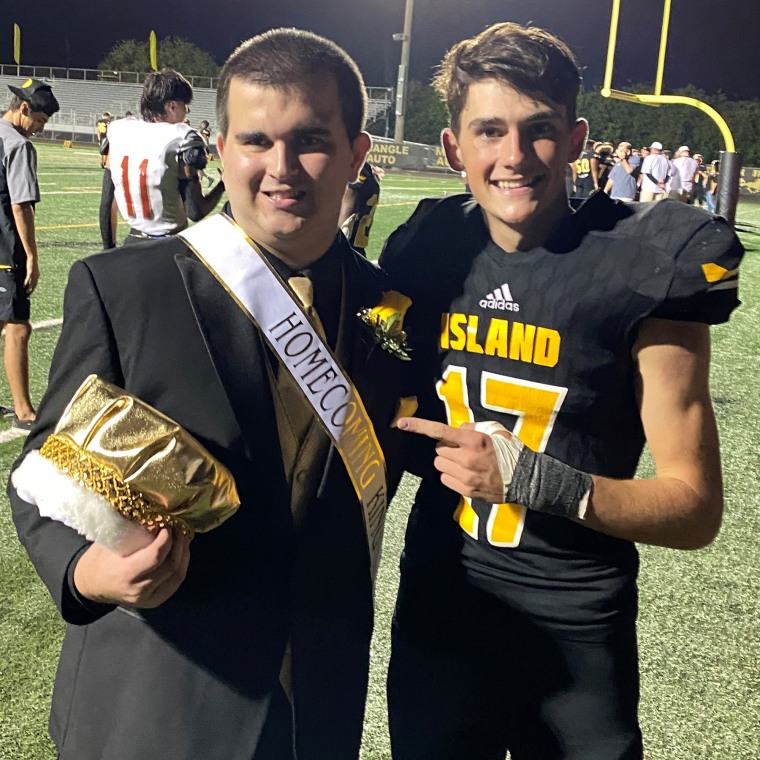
[304, 289]
[297, 410]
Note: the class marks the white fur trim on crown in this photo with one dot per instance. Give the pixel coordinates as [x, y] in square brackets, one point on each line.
[59, 497]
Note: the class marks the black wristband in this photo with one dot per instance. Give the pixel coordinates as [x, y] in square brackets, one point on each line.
[545, 484]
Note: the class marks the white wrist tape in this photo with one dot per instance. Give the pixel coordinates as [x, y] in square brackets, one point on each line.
[506, 447]
[537, 481]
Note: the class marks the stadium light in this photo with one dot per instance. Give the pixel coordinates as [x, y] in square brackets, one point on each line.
[405, 38]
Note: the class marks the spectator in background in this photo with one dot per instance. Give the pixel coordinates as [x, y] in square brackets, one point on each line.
[687, 168]
[602, 162]
[157, 185]
[673, 181]
[204, 130]
[31, 106]
[623, 178]
[711, 187]
[101, 127]
[654, 174]
[698, 188]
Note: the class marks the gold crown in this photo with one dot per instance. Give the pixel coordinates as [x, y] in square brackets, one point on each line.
[142, 462]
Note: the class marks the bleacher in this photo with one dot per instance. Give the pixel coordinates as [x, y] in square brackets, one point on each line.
[83, 102]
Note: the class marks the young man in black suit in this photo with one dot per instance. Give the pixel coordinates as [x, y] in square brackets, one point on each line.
[253, 641]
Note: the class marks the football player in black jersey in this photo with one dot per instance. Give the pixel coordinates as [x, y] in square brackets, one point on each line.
[585, 172]
[358, 208]
[101, 129]
[557, 343]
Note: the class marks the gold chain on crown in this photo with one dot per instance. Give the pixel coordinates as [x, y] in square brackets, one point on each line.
[101, 479]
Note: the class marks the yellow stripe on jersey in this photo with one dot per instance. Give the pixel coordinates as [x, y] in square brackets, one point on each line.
[716, 273]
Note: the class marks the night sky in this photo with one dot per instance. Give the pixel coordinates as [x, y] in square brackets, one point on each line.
[713, 44]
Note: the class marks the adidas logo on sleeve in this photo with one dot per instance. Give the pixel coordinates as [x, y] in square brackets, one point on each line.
[500, 298]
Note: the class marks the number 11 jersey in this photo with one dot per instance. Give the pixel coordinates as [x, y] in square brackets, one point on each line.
[146, 169]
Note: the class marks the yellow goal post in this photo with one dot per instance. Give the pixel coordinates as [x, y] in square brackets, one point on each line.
[730, 161]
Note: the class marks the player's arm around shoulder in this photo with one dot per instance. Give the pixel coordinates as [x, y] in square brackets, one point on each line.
[682, 506]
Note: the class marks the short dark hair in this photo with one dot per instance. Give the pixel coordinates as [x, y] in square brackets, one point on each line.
[284, 58]
[530, 59]
[159, 88]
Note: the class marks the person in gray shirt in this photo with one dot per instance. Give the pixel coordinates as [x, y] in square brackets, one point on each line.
[622, 181]
[32, 104]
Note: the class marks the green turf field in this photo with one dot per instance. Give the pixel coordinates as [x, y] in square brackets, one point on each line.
[700, 612]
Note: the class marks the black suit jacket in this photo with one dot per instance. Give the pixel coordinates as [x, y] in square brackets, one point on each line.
[194, 677]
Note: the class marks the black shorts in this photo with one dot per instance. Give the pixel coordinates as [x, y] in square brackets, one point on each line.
[473, 675]
[14, 300]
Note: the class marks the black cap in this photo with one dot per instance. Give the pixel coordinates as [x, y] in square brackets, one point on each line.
[38, 94]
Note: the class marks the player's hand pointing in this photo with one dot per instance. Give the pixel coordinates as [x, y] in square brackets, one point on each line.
[485, 461]
[465, 458]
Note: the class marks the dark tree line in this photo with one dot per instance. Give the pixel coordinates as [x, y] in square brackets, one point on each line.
[179, 53]
[675, 125]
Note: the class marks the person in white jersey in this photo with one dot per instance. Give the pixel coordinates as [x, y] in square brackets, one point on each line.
[152, 167]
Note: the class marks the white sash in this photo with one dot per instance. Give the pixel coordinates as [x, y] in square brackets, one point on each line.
[237, 262]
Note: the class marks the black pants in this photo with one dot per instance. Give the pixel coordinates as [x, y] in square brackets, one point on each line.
[472, 676]
[277, 741]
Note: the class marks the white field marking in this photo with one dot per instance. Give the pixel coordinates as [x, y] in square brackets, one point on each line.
[72, 192]
[66, 226]
[418, 188]
[44, 324]
[47, 323]
[10, 434]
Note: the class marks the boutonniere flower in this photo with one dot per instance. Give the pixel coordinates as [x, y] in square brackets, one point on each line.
[386, 323]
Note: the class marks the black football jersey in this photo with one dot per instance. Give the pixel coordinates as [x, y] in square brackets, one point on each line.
[541, 341]
[583, 176]
[101, 126]
[359, 223]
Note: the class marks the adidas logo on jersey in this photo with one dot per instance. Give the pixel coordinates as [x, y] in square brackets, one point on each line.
[501, 299]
